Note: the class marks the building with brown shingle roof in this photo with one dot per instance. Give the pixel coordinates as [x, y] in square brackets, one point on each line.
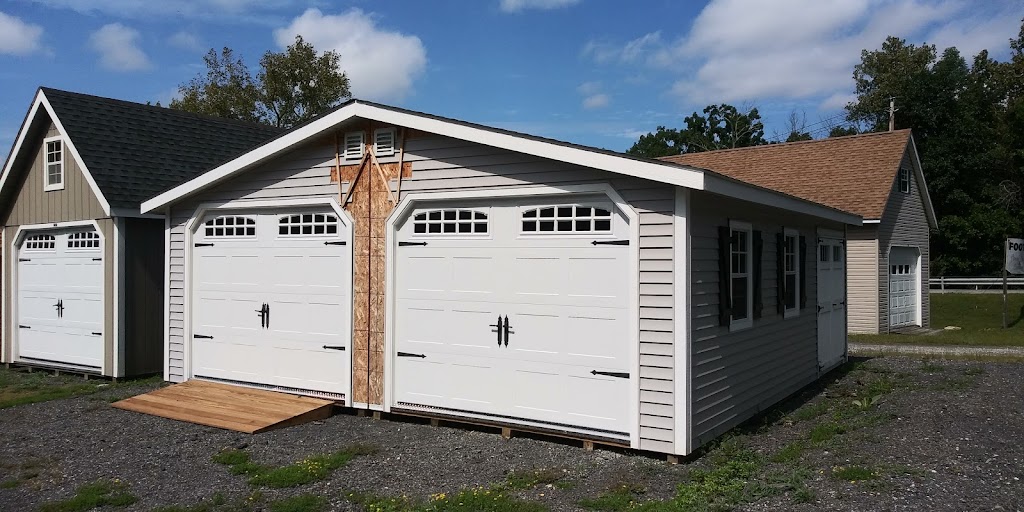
[877, 176]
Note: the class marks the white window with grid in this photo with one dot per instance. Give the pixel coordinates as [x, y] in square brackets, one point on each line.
[740, 275]
[84, 240]
[567, 219]
[353, 145]
[791, 272]
[230, 226]
[904, 180]
[450, 222]
[41, 242]
[307, 224]
[53, 177]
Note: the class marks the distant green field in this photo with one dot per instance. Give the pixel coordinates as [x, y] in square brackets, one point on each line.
[978, 315]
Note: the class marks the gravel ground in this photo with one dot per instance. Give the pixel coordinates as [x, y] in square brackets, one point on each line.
[948, 437]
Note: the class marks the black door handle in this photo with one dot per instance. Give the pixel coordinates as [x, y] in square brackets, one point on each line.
[268, 315]
[498, 328]
[263, 315]
[508, 325]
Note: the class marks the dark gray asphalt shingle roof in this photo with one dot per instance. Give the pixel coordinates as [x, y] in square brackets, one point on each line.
[136, 151]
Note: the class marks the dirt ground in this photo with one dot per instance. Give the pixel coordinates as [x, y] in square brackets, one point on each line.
[878, 434]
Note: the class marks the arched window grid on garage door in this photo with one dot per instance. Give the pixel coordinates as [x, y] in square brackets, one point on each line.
[452, 221]
[41, 243]
[307, 224]
[84, 240]
[230, 226]
[570, 218]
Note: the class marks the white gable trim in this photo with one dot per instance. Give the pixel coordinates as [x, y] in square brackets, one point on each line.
[672, 174]
[69, 144]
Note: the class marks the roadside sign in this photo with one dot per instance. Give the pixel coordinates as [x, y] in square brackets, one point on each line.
[1015, 255]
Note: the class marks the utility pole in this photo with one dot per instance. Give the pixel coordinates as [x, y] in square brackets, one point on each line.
[892, 113]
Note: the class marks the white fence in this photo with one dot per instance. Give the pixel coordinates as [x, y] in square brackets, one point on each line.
[974, 284]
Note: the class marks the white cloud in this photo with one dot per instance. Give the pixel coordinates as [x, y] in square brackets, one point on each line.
[837, 101]
[588, 88]
[238, 10]
[522, 5]
[596, 101]
[186, 41]
[118, 47]
[18, 37]
[737, 50]
[380, 64]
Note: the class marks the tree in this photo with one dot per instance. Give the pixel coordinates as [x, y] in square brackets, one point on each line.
[797, 128]
[721, 127]
[842, 131]
[291, 87]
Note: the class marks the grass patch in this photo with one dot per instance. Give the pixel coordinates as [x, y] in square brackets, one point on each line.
[979, 317]
[810, 411]
[479, 499]
[305, 471]
[101, 493]
[824, 432]
[619, 497]
[930, 367]
[218, 503]
[302, 503]
[789, 453]
[854, 474]
[528, 479]
[10, 484]
[22, 387]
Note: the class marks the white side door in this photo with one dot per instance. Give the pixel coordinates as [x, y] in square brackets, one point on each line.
[273, 299]
[562, 352]
[60, 298]
[831, 301]
[904, 292]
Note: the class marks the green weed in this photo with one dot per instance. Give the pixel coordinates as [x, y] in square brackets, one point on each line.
[527, 479]
[620, 497]
[791, 452]
[302, 503]
[811, 411]
[479, 499]
[101, 493]
[308, 470]
[824, 432]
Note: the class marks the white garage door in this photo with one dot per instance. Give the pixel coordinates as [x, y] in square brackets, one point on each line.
[272, 300]
[60, 298]
[904, 291]
[517, 310]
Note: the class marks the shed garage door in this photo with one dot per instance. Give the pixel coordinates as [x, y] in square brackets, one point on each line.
[60, 298]
[904, 289]
[272, 300]
[516, 310]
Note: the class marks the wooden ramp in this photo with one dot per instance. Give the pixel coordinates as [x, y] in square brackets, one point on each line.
[229, 407]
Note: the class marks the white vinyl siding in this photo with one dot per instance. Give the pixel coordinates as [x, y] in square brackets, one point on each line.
[903, 224]
[862, 280]
[446, 164]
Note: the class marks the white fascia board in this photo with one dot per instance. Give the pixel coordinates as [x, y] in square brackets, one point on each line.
[872, 221]
[747, 192]
[665, 173]
[43, 102]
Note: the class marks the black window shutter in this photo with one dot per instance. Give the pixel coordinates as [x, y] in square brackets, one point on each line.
[758, 254]
[804, 268]
[724, 273]
[780, 272]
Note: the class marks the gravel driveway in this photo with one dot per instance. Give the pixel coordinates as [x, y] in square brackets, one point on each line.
[947, 436]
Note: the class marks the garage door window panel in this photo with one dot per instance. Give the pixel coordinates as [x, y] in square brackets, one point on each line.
[230, 226]
[566, 219]
[307, 224]
[83, 240]
[40, 243]
[450, 222]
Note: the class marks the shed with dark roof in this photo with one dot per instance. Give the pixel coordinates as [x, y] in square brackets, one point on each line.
[83, 287]
[875, 175]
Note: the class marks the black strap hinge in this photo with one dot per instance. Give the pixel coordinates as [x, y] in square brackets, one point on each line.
[610, 242]
[97, 334]
[406, 244]
[621, 375]
[24, 327]
[97, 259]
[200, 244]
[24, 259]
[342, 242]
[334, 347]
[202, 337]
[409, 354]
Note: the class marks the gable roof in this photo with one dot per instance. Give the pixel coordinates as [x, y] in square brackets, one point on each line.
[655, 170]
[855, 173]
[130, 151]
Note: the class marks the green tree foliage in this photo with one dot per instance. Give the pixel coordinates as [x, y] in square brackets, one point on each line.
[967, 123]
[291, 87]
[842, 131]
[720, 127]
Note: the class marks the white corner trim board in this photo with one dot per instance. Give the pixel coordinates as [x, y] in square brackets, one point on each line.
[69, 144]
[681, 328]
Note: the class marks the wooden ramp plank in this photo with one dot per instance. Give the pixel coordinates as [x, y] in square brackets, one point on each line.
[229, 407]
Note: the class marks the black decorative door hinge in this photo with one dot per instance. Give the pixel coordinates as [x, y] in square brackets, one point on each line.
[610, 242]
[97, 259]
[198, 244]
[499, 328]
[409, 354]
[97, 334]
[406, 244]
[334, 347]
[24, 259]
[24, 327]
[342, 242]
[202, 337]
[621, 375]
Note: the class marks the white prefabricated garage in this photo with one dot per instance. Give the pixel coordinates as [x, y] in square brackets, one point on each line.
[404, 262]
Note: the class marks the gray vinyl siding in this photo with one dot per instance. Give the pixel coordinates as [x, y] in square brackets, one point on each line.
[862, 279]
[143, 295]
[446, 164]
[32, 205]
[904, 224]
[738, 374]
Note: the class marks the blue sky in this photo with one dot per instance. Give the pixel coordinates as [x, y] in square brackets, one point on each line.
[596, 72]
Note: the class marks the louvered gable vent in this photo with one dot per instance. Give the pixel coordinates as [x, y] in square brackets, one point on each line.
[384, 142]
[353, 145]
